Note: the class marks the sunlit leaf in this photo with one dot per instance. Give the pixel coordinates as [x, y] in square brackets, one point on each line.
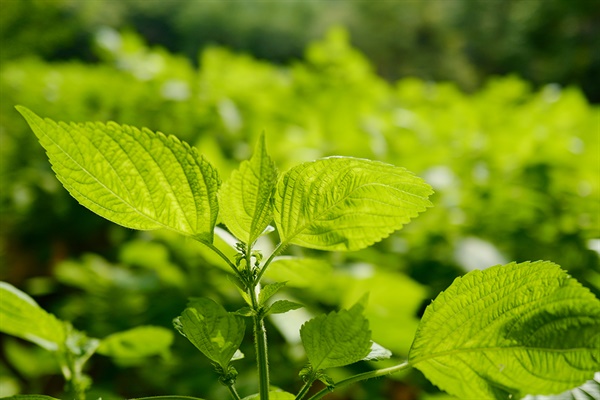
[269, 290]
[337, 339]
[29, 397]
[135, 178]
[518, 329]
[283, 306]
[167, 398]
[214, 331]
[590, 390]
[378, 352]
[272, 396]
[22, 317]
[142, 341]
[245, 198]
[343, 203]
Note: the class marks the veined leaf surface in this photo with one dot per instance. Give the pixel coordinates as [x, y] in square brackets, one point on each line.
[337, 339]
[136, 178]
[22, 317]
[518, 329]
[343, 203]
[245, 198]
[214, 331]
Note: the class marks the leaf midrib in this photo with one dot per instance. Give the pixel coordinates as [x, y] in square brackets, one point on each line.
[102, 184]
[325, 211]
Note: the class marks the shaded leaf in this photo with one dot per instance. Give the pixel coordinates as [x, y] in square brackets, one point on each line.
[337, 339]
[138, 342]
[22, 317]
[245, 198]
[214, 331]
[510, 330]
[136, 178]
[343, 203]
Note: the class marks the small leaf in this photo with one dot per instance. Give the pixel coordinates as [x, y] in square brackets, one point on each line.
[272, 396]
[214, 331]
[377, 353]
[518, 329]
[143, 341]
[135, 178]
[283, 306]
[245, 198]
[245, 312]
[343, 203]
[269, 290]
[337, 339]
[167, 398]
[22, 317]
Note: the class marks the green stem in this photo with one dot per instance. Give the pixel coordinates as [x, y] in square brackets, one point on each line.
[362, 377]
[224, 257]
[280, 247]
[260, 341]
[304, 389]
[234, 392]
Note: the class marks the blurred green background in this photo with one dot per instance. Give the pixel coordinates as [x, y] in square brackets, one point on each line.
[494, 103]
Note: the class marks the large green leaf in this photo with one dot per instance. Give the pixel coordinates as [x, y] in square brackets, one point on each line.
[167, 398]
[518, 329]
[337, 339]
[29, 397]
[245, 198]
[135, 178]
[142, 341]
[342, 203]
[214, 331]
[590, 390]
[22, 317]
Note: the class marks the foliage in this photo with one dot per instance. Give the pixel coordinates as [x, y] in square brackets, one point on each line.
[483, 325]
[513, 171]
[456, 40]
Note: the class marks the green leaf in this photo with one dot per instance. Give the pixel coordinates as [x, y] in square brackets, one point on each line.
[343, 203]
[167, 398]
[518, 329]
[283, 306]
[143, 341]
[590, 390]
[377, 352]
[22, 317]
[337, 339]
[245, 198]
[29, 397]
[269, 290]
[272, 396]
[135, 178]
[214, 331]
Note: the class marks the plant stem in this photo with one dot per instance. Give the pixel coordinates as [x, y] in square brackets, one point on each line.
[304, 389]
[234, 392]
[362, 377]
[275, 252]
[260, 341]
[223, 256]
